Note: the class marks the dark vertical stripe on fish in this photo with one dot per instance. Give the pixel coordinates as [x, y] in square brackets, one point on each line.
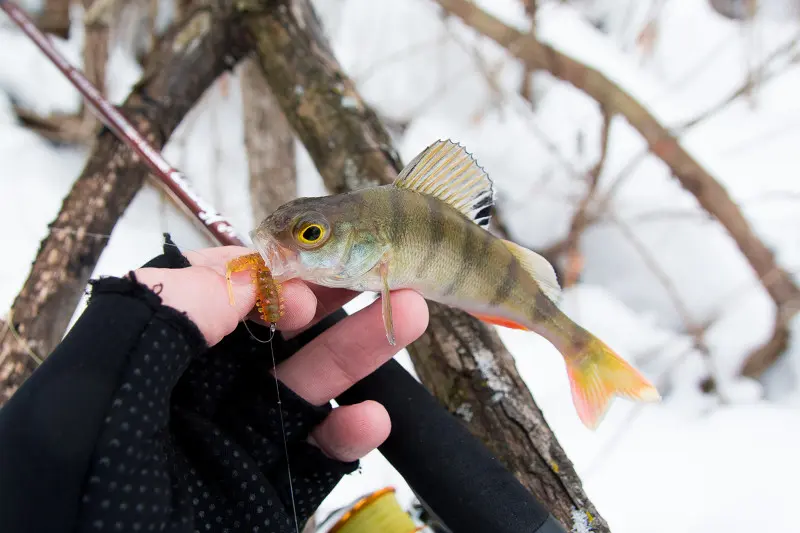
[436, 233]
[506, 282]
[473, 252]
[542, 307]
[397, 218]
[359, 208]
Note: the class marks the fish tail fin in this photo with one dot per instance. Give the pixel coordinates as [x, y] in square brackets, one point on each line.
[597, 374]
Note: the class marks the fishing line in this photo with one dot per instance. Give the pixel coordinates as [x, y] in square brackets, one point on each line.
[283, 426]
[252, 335]
[272, 329]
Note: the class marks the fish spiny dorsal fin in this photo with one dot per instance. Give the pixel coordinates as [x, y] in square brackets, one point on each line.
[538, 267]
[447, 171]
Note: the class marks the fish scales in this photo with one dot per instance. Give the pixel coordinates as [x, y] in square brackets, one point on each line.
[444, 255]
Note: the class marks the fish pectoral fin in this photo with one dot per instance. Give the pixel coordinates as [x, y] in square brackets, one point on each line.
[540, 268]
[499, 321]
[386, 301]
[445, 170]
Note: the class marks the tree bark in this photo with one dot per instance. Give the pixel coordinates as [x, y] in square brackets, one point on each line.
[54, 18]
[691, 175]
[462, 361]
[269, 141]
[186, 62]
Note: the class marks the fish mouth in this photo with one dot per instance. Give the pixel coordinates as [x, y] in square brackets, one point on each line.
[281, 261]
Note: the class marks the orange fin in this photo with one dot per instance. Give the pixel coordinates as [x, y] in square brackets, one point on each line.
[596, 375]
[500, 321]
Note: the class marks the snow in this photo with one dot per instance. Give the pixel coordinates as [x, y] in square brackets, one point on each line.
[695, 462]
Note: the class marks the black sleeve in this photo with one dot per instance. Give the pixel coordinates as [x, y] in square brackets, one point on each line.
[134, 424]
[448, 468]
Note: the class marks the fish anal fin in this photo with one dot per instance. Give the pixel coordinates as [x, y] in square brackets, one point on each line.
[499, 321]
[538, 267]
[445, 170]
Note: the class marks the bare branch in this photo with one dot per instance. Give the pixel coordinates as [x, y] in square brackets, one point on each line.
[764, 356]
[764, 76]
[176, 72]
[82, 127]
[691, 175]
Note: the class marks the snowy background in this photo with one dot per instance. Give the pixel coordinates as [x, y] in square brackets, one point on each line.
[695, 463]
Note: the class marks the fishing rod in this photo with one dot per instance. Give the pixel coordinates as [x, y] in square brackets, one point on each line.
[451, 472]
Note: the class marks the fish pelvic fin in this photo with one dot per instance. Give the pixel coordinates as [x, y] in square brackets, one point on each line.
[386, 301]
[596, 375]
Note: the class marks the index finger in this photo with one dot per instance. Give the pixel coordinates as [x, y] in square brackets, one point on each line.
[299, 297]
[201, 291]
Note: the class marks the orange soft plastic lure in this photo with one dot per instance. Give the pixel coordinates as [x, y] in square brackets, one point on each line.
[268, 292]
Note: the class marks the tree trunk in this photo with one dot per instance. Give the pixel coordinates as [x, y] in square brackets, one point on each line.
[179, 71]
[269, 141]
[462, 361]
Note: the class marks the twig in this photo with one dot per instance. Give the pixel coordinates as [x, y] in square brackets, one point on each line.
[488, 72]
[690, 325]
[627, 171]
[764, 77]
[580, 219]
[751, 29]
[526, 87]
[81, 127]
[421, 47]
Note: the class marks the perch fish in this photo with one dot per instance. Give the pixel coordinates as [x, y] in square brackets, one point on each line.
[427, 231]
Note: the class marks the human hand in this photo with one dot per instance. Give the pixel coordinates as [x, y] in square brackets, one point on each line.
[159, 411]
[324, 368]
[142, 420]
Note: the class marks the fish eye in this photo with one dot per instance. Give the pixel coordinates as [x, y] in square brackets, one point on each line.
[311, 234]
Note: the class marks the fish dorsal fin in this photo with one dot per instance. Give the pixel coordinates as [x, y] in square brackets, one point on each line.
[448, 172]
[538, 267]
